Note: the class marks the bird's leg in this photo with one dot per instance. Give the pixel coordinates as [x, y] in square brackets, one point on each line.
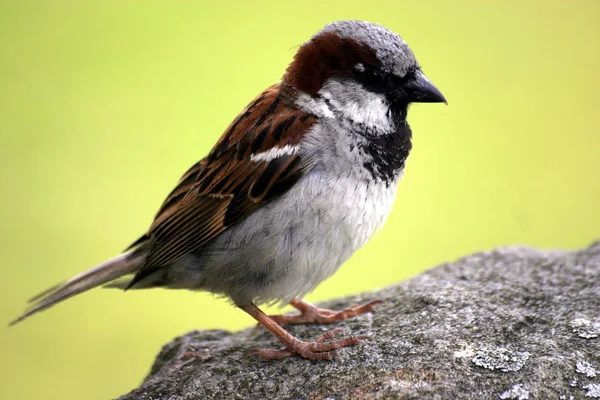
[310, 314]
[318, 349]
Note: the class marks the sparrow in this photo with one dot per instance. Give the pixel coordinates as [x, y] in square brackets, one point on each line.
[299, 181]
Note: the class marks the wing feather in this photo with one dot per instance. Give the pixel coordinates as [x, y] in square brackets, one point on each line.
[229, 184]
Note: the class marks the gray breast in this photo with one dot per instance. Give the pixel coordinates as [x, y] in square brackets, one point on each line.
[288, 247]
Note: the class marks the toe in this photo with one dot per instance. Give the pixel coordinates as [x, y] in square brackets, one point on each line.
[329, 334]
[269, 354]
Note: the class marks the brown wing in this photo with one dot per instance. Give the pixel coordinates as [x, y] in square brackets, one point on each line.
[229, 183]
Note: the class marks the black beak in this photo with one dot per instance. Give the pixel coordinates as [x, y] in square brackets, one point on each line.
[421, 90]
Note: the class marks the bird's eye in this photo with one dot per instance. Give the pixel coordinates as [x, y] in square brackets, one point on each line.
[372, 80]
[359, 67]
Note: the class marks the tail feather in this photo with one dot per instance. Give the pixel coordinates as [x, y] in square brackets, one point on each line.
[106, 272]
[44, 293]
[119, 283]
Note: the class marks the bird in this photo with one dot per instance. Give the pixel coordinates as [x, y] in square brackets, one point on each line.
[299, 181]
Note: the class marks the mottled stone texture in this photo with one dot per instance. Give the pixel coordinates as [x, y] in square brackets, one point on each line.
[512, 323]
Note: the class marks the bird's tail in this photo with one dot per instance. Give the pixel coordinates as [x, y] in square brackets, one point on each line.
[108, 271]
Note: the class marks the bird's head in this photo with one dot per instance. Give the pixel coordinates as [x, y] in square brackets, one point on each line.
[360, 71]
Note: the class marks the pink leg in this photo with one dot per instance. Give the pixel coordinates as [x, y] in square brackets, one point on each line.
[318, 349]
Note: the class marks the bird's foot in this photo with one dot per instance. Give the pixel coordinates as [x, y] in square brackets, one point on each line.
[316, 350]
[310, 314]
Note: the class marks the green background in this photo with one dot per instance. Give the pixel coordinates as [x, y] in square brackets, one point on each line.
[104, 104]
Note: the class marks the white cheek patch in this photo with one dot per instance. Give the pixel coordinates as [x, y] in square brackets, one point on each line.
[353, 101]
[274, 153]
[312, 106]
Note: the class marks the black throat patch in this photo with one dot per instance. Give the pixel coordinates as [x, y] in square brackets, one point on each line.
[387, 152]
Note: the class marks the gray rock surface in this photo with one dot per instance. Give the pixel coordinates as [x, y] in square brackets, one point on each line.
[512, 323]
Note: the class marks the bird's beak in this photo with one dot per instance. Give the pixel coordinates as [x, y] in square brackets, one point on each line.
[421, 90]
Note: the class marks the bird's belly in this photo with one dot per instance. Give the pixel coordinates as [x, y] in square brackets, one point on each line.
[288, 247]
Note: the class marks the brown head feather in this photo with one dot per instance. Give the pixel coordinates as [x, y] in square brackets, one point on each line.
[324, 56]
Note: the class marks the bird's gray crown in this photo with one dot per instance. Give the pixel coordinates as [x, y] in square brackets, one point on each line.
[393, 52]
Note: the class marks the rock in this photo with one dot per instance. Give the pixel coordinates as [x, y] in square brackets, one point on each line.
[513, 323]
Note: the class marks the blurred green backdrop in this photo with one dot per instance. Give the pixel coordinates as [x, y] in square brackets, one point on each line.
[104, 104]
